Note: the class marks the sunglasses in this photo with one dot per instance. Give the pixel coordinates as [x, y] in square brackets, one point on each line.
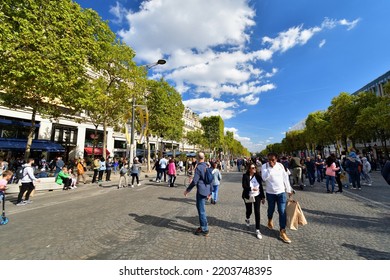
[253, 167]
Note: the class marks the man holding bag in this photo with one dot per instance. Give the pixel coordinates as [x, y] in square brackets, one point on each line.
[278, 186]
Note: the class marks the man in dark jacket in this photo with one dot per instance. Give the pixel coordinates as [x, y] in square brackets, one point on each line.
[203, 193]
[386, 171]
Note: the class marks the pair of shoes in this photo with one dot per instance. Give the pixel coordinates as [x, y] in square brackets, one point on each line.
[21, 203]
[284, 236]
[247, 222]
[258, 234]
[199, 231]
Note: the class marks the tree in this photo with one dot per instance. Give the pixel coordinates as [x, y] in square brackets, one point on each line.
[108, 99]
[213, 130]
[195, 137]
[343, 113]
[44, 46]
[165, 110]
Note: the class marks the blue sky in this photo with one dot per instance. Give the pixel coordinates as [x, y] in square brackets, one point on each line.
[263, 66]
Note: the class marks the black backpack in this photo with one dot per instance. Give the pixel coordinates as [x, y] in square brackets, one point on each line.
[20, 172]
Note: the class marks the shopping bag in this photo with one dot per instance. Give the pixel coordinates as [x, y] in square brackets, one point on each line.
[294, 215]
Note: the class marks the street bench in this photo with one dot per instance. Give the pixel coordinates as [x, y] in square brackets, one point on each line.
[45, 184]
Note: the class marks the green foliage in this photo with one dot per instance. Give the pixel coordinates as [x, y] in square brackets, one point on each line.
[165, 110]
[44, 47]
[213, 130]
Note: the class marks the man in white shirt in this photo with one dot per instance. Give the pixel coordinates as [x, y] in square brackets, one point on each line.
[278, 186]
[163, 168]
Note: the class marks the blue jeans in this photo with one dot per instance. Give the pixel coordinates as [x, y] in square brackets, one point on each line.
[332, 182]
[215, 193]
[312, 177]
[201, 206]
[319, 174]
[281, 201]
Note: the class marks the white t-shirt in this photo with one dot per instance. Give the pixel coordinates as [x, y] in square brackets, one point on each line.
[276, 178]
[254, 185]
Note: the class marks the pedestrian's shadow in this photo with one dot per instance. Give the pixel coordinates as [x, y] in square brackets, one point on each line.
[367, 253]
[177, 199]
[215, 222]
[160, 222]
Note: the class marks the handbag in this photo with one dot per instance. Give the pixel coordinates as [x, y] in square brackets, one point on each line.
[294, 215]
[250, 200]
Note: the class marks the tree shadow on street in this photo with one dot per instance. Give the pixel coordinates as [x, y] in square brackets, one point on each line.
[352, 221]
[367, 253]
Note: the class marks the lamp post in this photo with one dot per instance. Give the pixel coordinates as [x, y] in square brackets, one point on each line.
[132, 142]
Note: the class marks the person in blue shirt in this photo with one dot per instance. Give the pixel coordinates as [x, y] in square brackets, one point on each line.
[203, 193]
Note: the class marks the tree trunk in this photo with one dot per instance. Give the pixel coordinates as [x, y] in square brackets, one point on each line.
[104, 140]
[30, 135]
[148, 159]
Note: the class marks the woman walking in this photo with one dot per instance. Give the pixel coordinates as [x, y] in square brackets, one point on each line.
[252, 194]
[330, 173]
[171, 173]
[216, 182]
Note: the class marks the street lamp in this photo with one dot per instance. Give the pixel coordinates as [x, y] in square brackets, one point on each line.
[132, 142]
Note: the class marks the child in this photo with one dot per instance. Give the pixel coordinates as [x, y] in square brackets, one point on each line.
[6, 176]
[123, 176]
[73, 179]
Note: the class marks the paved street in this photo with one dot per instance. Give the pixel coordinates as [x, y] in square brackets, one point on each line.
[153, 222]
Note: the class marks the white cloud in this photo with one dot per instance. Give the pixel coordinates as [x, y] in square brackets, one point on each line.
[192, 24]
[119, 12]
[206, 46]
[322, 43]
[250, 99]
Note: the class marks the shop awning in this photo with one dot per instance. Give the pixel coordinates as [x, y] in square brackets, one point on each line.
[97, 151]
[37, 145]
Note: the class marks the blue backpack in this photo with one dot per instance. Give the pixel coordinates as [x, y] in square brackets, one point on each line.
[208, 176]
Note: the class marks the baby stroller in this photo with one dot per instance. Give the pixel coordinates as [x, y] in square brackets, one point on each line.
[4, 219]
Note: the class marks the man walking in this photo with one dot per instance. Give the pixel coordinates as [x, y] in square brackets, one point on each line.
[27, 183]
[203, 193]
[278, 186]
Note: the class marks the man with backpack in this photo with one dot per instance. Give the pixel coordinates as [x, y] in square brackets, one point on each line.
[203, 183]
[27, 183]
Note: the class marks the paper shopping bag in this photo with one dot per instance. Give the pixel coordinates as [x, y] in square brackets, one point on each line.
[294, 215]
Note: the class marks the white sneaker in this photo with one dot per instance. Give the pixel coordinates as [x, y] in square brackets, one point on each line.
[247, 222]
[139, 184]
[132, 186]
[258, 234]
[22, 203]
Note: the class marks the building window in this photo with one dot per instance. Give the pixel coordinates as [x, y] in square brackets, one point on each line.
[65, 135]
